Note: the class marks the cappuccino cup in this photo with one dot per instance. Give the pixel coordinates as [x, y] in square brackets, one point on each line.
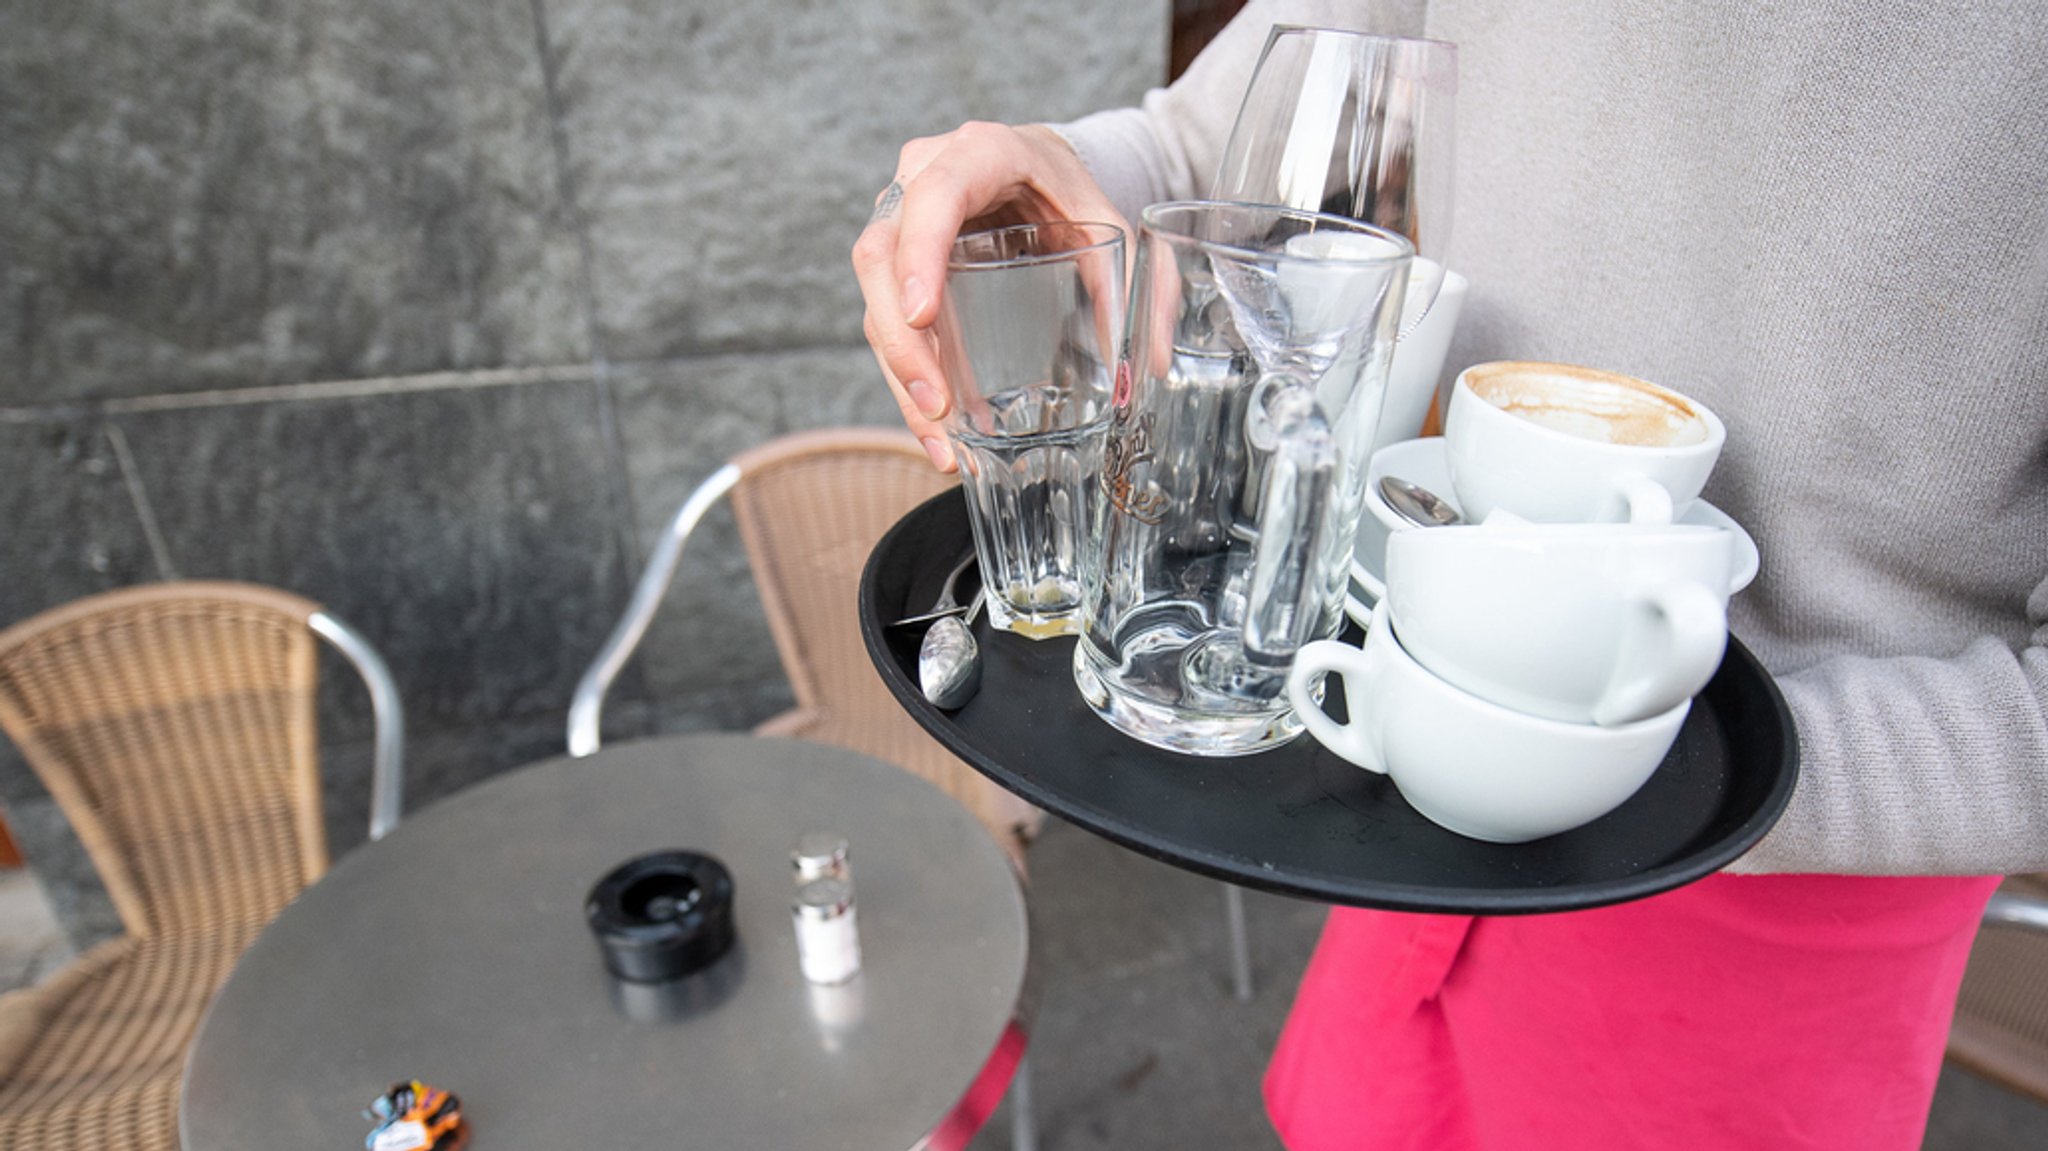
[1471, 766]
[1606, 624]
[1562, 444]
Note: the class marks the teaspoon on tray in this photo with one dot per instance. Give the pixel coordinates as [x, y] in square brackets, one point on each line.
[949, 661]
[948, 658]
[1417, 504]
[947, 603]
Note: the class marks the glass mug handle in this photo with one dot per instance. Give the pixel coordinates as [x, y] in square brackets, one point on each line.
[1285, 600]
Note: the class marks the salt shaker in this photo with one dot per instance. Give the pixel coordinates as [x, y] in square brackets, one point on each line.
[820, 855]
[827, 940]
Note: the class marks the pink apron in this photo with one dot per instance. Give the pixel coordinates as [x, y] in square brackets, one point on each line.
[1780, 1013]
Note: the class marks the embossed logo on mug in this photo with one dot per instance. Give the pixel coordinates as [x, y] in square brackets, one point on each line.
[1130, 444]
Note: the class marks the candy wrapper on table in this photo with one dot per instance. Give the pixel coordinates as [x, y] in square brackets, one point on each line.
[415, 1117]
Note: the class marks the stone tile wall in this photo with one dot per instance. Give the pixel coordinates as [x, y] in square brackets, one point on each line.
[435, 312]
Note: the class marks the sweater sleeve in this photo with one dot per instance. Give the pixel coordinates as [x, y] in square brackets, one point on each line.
[1168, 147]
[1918, 766]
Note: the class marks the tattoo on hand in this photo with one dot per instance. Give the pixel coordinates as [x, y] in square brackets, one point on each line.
[891, 197]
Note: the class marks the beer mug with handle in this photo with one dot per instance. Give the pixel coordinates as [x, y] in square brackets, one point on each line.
[1245, 406]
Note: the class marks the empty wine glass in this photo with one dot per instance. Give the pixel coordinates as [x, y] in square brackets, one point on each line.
[1353, 125]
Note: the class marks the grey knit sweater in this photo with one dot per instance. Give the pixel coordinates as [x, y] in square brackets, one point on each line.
[1829, 222]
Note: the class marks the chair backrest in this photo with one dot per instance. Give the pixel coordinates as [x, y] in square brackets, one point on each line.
[175, 726]
[811, 507]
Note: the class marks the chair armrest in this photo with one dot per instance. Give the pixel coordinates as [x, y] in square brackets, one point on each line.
[586, 708]
[2012, 910]
[387, 770]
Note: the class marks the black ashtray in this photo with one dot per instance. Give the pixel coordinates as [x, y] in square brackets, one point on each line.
[662, 916]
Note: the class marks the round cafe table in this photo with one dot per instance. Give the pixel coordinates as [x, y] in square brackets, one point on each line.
[454, 951]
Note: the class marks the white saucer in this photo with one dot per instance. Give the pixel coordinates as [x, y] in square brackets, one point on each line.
[1422, 462]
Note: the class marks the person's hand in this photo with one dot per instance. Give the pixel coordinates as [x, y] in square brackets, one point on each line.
[978, 175]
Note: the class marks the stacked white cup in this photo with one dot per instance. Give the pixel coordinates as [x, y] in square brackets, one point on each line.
[1525, 673]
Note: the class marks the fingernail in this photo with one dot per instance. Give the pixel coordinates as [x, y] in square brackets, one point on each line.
[937, 450]
[927, 399]
[914, 297]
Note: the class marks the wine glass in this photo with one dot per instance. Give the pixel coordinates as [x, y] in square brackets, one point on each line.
[1362, 126]
[1354, 125]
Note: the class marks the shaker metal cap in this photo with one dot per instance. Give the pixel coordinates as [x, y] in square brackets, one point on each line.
[819, 853]
[824, 899]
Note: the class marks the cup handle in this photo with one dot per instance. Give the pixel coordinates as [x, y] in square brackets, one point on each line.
[1648, 501]
[1669, 649]
[1355, 741]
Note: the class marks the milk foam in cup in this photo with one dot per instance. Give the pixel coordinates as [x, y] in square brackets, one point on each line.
[1559, 443]
[1593, 405]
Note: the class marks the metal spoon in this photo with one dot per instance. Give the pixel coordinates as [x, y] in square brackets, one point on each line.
[946, 605]
[949, 661]
[1417, 504]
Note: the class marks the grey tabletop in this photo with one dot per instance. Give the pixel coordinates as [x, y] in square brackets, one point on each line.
[454, 951]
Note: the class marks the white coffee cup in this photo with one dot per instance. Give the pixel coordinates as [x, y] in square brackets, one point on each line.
[1584, 623]
[1473, 767]
[1419, 358]
[1564, 444]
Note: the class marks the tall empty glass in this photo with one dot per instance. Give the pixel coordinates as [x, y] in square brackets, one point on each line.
[1234, 470]
[1027, 337]
[1355, 125]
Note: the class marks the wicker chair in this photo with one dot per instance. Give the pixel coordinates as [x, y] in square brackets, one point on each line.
[2000, 1029]
[174, 725]
[810, 507]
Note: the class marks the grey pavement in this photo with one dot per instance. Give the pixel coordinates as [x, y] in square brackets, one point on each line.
[32, 945]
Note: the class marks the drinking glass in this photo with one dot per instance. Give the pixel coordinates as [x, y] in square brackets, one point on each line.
[1353, 125]
[1234, 470]
[1027, 336]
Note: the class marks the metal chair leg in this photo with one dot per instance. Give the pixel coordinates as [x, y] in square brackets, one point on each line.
[1240, 944]
[1023, 1122]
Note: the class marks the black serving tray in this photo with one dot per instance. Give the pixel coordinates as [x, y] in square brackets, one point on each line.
[1298, 820]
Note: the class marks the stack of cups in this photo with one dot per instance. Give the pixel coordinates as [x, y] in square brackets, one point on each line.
[1526, 672]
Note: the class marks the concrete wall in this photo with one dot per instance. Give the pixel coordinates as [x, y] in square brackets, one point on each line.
[435, 312]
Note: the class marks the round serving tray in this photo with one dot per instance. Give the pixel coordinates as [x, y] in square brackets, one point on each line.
[1298, 820]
